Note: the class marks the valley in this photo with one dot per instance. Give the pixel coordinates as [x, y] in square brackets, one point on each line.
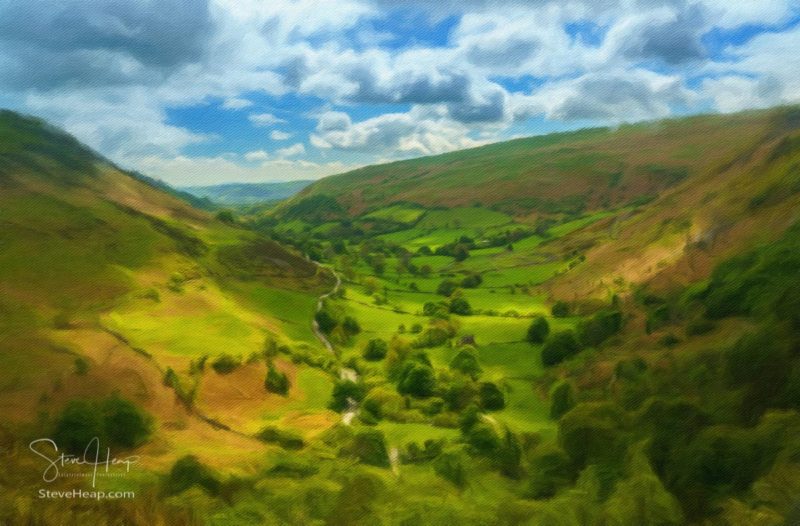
[594, 327]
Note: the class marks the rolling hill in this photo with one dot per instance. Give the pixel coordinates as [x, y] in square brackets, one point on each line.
[247, 193]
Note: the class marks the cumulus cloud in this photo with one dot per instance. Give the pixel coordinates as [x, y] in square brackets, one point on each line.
[265, 119]
[278, 135]
[418, 132]
[197, 171]
[291, 151]
[256, 155]
[110, 70]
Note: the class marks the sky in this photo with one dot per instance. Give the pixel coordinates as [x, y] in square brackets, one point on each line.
[199, 92]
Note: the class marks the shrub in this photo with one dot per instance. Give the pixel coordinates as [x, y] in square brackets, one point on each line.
[325, 321]
[344, 390]
[225, 364]
[115, 421]
[126, 425]
[375, 350]
[461, 307]
[285, 439]
[450, 467]
[538, 330]
[351, 326]
[491, 397]
[369, 446]
[562, 399]
[276, 381]
[483, 439]
[558, 347]
[416, 379]
[226, 216]
[466, 362]
[188, 472]
[446, 287]
[560, 309]
[472, 281]
[551, 470]
[599, 327]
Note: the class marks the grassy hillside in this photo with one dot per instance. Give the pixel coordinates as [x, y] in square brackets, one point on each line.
[108, 284]
[565, 172]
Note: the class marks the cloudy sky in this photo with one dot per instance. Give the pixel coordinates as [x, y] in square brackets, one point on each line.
[200, 92]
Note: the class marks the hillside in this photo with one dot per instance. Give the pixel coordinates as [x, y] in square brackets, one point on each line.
[590, 328]
[109, 284]
[246, 193]
[564, 172]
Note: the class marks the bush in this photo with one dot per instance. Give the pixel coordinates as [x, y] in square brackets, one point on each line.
[450, 467]
[491, 397]
[562, 399]
[325, 321]
[276, 381]
[116, 422]
[226, 216]
[551, 470]
[466, 362]
[285, 439]
[538, 330]
[188, 472]
[472, 281]
[369, 446]
[482, 438]
[446, 287]
[350, 326]
[416, 379]
[461, 307]
[375, 350]
[560, 309]
[599, 327]
[558, 347]
[344, 390]
[225, 364]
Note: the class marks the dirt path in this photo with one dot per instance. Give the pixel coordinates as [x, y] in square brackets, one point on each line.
[314, 325]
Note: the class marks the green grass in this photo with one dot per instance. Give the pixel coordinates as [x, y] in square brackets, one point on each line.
[397, 214]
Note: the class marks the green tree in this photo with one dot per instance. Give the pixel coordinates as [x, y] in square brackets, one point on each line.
[343, 390]
[461, 307]
[450, 466]
[562, 399]
[446, 287]
[558, 347]
[276, 381]
[538, 330]
[560, 309]
[351, 326]
[416, 379]
[325, 321]
[491, 397]
[375, 350]
[466, 362]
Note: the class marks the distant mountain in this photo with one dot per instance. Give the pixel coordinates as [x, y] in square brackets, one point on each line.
[247, 193]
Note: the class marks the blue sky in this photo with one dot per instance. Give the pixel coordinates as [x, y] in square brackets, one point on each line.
[209, 91]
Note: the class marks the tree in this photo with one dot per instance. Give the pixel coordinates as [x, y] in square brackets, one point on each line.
[446, 287]
[461, 252]
[558, 347]
[125, 424]
[562, 399]
[599, 327]
[325, 321]
[375, 350]
[491, 397]
[416, 379]
[276, 381]
[351, 326]
[225, 364]
[461, 307]
[188, 472]
[560, 309]
[472, 281]
[343, 391]
[538, 330]
[450, 467]
[369, 446]
[226, 216]
[551, 470]
[466, 362]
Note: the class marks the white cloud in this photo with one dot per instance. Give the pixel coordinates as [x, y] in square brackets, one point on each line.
[256, 155]
[278, 135]
[265, 119]
[291, 151]
[236, 103]
[197, 171]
